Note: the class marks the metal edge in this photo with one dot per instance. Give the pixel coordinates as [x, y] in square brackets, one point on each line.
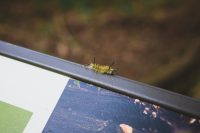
[155, 95]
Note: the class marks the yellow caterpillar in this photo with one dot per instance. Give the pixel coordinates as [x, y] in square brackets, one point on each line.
[103, 69]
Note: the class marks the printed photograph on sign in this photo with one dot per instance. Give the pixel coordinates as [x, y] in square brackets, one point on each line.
[87, 108]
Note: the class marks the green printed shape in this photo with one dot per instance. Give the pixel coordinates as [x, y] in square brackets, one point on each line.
[13, 119]
[76, 82]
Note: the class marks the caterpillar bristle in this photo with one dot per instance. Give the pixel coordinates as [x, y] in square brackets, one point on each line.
[102, 69]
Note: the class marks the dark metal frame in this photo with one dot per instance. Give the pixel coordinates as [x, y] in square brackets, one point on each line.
[155, 95]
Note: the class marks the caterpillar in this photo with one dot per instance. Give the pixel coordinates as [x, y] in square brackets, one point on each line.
[103, 69]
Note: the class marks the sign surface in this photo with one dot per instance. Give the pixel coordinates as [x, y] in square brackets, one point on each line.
[29, 88]
[35, 100]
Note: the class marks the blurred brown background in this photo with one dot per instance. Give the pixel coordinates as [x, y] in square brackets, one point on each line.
[152, 41]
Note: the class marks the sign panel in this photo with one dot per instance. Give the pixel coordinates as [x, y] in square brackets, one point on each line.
[35, 99]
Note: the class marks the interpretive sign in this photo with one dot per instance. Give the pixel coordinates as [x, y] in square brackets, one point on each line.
[41, 93]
